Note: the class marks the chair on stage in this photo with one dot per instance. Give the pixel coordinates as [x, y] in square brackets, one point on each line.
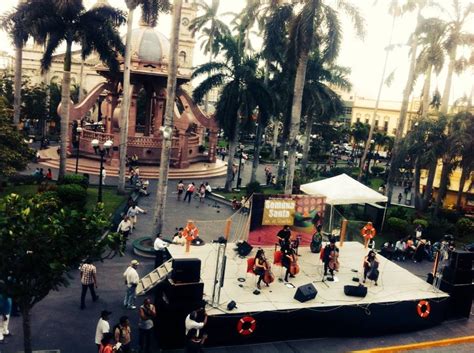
[250, 267]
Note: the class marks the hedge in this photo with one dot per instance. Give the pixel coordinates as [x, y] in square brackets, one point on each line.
[397, 225]
[73, 195]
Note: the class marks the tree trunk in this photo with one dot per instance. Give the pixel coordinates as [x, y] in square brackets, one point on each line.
[429, 185]
[426, 92]
[449, 78]
[17, 85]
[465, 172]
[416, 177]
[275, 137]
[307, 144]
[234, 141]
[295, 120]
[65, 102]
[169, 114]
[443, 184]
[125, 108]
[25, 313]
[206, 97]
[81, 81]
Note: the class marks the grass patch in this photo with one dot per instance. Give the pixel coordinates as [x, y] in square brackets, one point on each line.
[23, 190]
[375, 183]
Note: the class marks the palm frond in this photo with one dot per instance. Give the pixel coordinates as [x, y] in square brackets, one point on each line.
[54, 40]
[210, 68]
[207, 85]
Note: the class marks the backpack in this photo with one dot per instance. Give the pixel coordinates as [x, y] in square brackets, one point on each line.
[121, 335]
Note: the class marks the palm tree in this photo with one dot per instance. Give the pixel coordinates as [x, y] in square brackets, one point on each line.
[14, 24]
[320, 102]
[242, 92]
[466, 143]
[316, 23]
[150, 10]
[53, 22]
[169, 115]
[212, 27]
[457, 35]
[359, 133]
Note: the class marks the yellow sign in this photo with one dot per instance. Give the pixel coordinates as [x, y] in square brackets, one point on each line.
[278, 212]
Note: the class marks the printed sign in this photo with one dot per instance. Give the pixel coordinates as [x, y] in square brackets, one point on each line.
[279, 212]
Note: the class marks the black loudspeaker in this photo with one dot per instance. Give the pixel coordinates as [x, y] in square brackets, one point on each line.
[461, 260]
[355, 291]
[184, 292]
[244, 248]
[305, 293]
[457, 276]
[461, 296]
[186, 270]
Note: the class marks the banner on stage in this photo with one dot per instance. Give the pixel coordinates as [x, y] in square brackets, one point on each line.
[279, 212]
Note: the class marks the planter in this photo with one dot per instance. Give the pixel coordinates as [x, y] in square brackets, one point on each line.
[143, 246]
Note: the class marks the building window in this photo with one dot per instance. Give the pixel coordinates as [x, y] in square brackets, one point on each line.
[347, 110]
[358, 120]
[366, 121]
[182, 58]
[385, 126]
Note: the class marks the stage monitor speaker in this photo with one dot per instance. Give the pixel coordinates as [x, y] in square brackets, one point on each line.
[186, 270]
[305, 293]
[457, 276]
[461, 260]
[184, 292]
[355, 291]
[244, 248]
[461, 296]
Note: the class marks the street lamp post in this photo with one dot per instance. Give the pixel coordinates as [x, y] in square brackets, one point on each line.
[369, 156]
[102, 152]
[241, 151]
[78, 135]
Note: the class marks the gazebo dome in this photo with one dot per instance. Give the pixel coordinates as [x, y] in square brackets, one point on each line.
[148, 44]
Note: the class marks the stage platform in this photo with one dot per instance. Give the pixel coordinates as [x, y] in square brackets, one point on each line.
[388, 307]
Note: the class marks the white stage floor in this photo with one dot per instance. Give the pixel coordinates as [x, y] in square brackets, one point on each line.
[395, 283]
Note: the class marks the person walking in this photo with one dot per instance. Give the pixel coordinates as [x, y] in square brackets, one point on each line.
[124, 228]
[145, 325]
[5, 311]
[189, 192]
[400, 196]
[102, 327]
[180, 189]
[123, 335]
[131, 281]
[202, 192]
[133, 212]
[88, 281]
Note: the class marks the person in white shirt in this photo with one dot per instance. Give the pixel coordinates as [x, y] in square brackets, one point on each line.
[104, 174]
[131, 280]
[195, 320]
[125, 226]
[208, 188]
[133, 212]
[400, 248]
[178, 238]
[160, 247]
[103, 327]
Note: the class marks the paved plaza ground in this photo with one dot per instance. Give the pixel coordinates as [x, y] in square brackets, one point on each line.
[58, 323]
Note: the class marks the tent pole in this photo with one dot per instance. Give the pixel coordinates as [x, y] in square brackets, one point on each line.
[331, 216]
[383, 218]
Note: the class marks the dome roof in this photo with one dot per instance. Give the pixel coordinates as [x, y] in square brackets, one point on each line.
[149, 45]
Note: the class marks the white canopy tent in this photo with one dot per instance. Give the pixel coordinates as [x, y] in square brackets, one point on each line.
[344, 190]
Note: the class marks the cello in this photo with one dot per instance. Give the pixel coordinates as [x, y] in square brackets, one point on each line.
[333, 260]
[268, 276]
[294, 267]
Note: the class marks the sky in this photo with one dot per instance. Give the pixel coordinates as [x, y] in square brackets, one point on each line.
[365, 56]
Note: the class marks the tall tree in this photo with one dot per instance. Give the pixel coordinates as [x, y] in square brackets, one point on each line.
[150, 10]
[53, 22]
[457, 35]
[14, 23]
[167, 131]
[316, 23]
[243, 92]
[466, 143]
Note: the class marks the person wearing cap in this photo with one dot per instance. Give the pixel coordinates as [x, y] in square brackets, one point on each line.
[131, 280]
[102, 328]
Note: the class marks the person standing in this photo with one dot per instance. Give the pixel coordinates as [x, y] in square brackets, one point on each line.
[400, 196]
[160, 248]
[104, 174]
[131, 281]
[189, 192]
[284, 235]
[88, 280]
[49, 175]
[133, 212]
[180, 189]
[5, 311]
[202, 192]
[330, 255]
[208, 189]
[102, 328]
[124, 228]
[123, 335]
[145, 325]
[106, 345]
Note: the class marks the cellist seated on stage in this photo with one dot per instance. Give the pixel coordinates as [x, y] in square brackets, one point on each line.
[260, 266]
[371, 265]
[329, 257]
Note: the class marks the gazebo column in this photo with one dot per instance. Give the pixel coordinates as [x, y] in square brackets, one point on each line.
[132, 115]
[158, 116]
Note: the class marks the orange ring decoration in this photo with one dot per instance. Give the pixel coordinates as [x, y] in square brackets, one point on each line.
[423, 308]
[368, 232]
[190, 232]
[246, 325]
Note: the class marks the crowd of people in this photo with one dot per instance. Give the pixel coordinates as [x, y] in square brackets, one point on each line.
[415, 248]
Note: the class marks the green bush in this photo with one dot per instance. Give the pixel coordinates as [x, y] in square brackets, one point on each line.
[464, 226]
[422, 222]
[21, 179]
[397, 225]
[438, 227]
[253, 188]
[74, 179]
[265, 151]
[397, 212]
[376, 170]
[72, 195]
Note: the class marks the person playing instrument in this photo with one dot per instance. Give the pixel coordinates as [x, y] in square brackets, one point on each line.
[371, 265]
[284, 235]
[260, 267]
[287, 259]
[331, 252]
